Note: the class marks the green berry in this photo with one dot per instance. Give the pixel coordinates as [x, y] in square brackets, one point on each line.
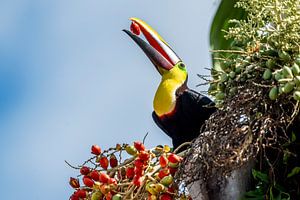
[297, 80]
[220, 96]
[295, 69]
[284, 56]
[273, 94]
[267, 74]
[278, 76]
[287, 72]
[288, 87]
[296, 95]
[232, 74]
[224, 77]
[270, 63]
[117, 197]
[297, 60]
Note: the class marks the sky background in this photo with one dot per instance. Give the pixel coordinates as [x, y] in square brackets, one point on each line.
[70, 78]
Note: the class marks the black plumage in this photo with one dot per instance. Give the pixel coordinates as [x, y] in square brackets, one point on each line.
[184, 124]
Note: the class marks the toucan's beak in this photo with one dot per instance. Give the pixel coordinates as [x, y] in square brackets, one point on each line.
[157, 50]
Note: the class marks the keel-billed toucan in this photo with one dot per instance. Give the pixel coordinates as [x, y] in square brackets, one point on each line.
[178, 111]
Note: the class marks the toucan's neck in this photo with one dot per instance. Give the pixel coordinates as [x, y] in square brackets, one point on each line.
[165, 97]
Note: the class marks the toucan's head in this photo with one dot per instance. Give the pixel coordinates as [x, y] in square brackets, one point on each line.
[165, 60]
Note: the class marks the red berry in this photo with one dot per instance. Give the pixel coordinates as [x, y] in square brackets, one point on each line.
[163, 161]
[112, 181]
[88, 181]
[84, 170]
[163, 172]
[74, 197]
[103, 178]
[139, 146]
[137, 180]
[173, 158]
[118, 147]
[74, 182]
[144, 155]
[113, 161]
[139, 163]
[96, 150]
[103, 162]
[172, 170]
[165, 197]
[171, 190]
[139, 171]
[104, 188]
[130, 172]
[108, 196]
[94, 175]
[134, 27]
[81, 193]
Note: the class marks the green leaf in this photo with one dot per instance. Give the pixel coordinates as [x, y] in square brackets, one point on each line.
[279, 193]
[225, 12]
[286, 156]
[253, 195]
[260, 176]
[295, 170]
[293, 137]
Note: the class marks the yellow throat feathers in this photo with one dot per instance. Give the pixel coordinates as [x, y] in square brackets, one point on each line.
[165, 96]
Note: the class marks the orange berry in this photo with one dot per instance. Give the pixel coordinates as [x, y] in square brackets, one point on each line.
[134, 27]
[96, 150]
[163, 161]
[94, 175]
[104, 189]
[173, 158]
[103, 178]
[84, 170]
[163, 172]
[137, 180]
[108, 196]
[144, 155]
[88, 181]
[104, 162]
[130, 172]
[113, 161]
[118, 147]
[139, 146]
[112, 181]
[74, 182]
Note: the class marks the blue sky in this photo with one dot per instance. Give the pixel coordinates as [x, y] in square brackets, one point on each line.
[70, 78]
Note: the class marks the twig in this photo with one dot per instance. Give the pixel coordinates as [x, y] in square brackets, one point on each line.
[145, 138]
[182, 145]
[113, 170]
[77, 168]
[228, 51]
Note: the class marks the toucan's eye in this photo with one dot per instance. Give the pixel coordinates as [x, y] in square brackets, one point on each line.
[181, 65]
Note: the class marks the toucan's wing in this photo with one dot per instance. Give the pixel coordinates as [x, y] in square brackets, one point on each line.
[160, 124]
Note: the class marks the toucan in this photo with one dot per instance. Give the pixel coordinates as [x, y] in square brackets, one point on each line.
[179, 111]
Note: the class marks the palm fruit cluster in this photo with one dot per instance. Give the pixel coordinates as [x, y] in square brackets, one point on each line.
[144, 174]
[264, 51]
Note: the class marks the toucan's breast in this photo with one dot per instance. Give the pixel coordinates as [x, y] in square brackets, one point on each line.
[165, 97]
[190, 113]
